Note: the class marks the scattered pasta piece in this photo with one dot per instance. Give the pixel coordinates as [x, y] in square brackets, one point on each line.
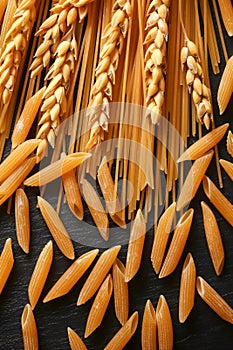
[164, 325]
[22, 219]
[75, 341]
[29, 330]
[148, 337]
[121, 293]
[6, 263]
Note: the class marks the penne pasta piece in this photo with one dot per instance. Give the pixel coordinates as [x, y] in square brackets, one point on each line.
[213, 238]
[2, 8]
[204, 144]
[96, 209]
[75, 341]
[228, 167]
[29, 330]
[135, 247]
[230, 143]
[72, 194]
[122, 337]
[22, 219]
[149, 327]
[98, 274]
[71, 276]
[161, 235]
[40, 274]
[99, 306]
[164, 325]
[177, 244]
[214, 300]
[6, 263]
[193, 179]
[121, 292]
[226, 9]
[220, 202]
[56, 228]
[187, 288]
[226, 84]
[57, 169]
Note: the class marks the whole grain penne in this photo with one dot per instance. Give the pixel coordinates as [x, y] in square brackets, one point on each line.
[177, 244]
[135, 247]
[122, 337]
[164, 325]
[22, 220]
[213, 238]
[148, 337]
[230, 143]
[121, 292]
[187, 288]
[99, 306]
[71, 276]
[226, 84]
[98, 274]
[227, 15]
[6, 263]
[193, 179]
[214, 300]
[75, 341]
[57, 169]
[220, 202]
[29, 330]
[228, 167]
[204, 144]
[40, 274]
[56, 228]
[72, 194]
[161, 235]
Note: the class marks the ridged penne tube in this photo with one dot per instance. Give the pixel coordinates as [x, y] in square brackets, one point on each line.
[96, 209]
[122, 337]
[177, 245]
[72, 194]
[226, 85]
[75, 341]
[56, 228]
[135, 247]
[121, 292]
[213, 238]
[214, 300]
[164, 325]
[6, 263]
[71, 276]
[22, 219]
[98, 274]
[40, 274]
[193, 180]
[57, 169]
[16, 158]
[187, 288]
[29, 330]
[228, 167]
[220, 202]
[10, 185]
[26, 119]
[229, 143]
[148, 337]
[161, 236]
[227, 15]
[204, 144]
[99, 306]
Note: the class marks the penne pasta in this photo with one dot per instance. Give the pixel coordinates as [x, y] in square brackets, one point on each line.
[6, 263]
[220, 202]
[135, 247]
[72, 194]
[40, 274]
[226, 84]
[214, 300]
[121, 292]
[161, 235]
[204, 144]
[22, 220]
[98, 274]
[164, 325]
[227, 15]
[71, 276]
[193, 179]
[56, 228]
[122, 337]
[2, 8]
[213, 238]
[75, 341]
[187, 288]
[228, 167]
[99, 306]
[149, 327]
[29, 330]
[230, 143]
[177, 245]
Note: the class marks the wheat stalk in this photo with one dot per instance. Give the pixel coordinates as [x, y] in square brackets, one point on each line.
[155, 57]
